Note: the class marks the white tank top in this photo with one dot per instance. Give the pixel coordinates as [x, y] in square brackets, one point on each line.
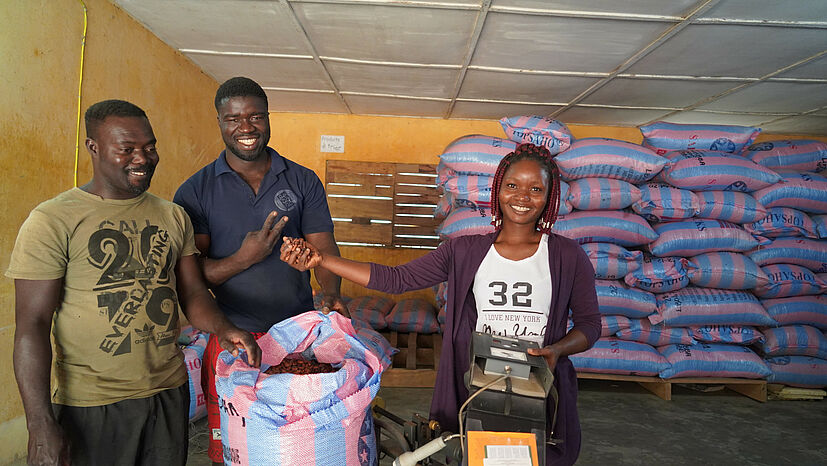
[513, 297]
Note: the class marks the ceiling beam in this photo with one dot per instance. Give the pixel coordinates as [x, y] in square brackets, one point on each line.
[469, 54]
[309, 43]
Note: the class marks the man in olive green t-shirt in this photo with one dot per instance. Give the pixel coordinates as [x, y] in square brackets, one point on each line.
[106, 268]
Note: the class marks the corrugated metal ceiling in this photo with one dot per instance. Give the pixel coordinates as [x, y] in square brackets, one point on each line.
[631, 62]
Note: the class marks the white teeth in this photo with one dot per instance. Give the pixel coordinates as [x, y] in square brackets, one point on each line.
[520, 208]
[247, 142]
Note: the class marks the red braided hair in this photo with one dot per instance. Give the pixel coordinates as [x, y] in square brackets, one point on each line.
[542, 156]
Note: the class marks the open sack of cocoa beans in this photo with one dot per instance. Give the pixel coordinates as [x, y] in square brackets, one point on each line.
[309, 403]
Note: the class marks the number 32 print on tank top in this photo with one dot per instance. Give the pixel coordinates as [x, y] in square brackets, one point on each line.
[513, 297]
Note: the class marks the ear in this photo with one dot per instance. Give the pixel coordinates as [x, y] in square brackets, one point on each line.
[92, 147]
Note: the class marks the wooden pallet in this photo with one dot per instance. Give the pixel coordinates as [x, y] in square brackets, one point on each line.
[755, 389]
[416, 363]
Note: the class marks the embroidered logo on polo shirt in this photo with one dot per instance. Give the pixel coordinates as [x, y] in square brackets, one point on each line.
[285, 200]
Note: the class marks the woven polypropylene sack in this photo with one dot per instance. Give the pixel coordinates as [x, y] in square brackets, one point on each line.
[609, 158]
[733, 334]
[609, 325]
[789, 280]
[538, 130]
[413, 315]
[663, 137]
[605, 226]
[820, 222]
[602, 194]
[463, 222]
[727, 270]
[612, 261]
[783, 221]
[476, 154]
[659, 274]
[808, 253]
[795, 340]
[193, 358]
[802, 191]
[708, 306]
[315, 419]
[616, 298]
[643, 331]
[689, 238]
[371, 309]
[374, 340]
[611, 355]
[712, 360]
[706, 170]
[730, 206]
[805, 310]
[662, 202]
[803, 155]
[798, 371]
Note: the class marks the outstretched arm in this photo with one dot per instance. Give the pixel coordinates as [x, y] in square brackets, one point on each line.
[330, 283]
[303, 255]
[257, 245]
[35, 304]
[200, 308]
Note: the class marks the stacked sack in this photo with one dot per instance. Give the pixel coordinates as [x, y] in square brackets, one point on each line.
[732, 231]
[193, 343]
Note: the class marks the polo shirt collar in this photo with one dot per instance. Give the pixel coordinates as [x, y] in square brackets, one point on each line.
[277, 164]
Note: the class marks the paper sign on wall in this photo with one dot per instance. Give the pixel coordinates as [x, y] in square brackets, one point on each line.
[332, 144]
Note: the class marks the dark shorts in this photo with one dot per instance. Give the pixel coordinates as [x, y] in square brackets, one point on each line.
[146, 431]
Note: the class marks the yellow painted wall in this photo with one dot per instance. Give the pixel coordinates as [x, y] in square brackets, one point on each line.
[40, 44]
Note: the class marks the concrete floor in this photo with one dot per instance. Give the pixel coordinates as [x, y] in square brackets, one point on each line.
[623, 424]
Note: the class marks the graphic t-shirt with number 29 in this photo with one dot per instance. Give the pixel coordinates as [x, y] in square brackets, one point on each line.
[513, 297]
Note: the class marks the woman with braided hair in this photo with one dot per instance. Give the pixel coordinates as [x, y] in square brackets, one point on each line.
[521, 280]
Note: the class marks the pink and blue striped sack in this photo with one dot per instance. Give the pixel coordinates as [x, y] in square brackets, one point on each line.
[663, 137]
[733, 334]
[801, 155]
[465, 185]
[802, 191]
[706, 170]
[712, 360]
[540, 131]
[698, 236]
[804, 310]
[820, 222]
[602, 194]
[610, 325]
[659, 274]
[413, 315]
[727, 270]
[643, 331]
[789, 280]
[605, 226]
[615, 298]
[692, 307]
[609, 158]
[465, 221]
[795, 340]
[476, 154]
[798, 371]
[611, 355]
[660, 201]
[314, 419]
[783, 221]
[729, 206]
[443, 173]
[371, 309]
[796, 250]
[375, 342]
[196, 344]
[611, 261]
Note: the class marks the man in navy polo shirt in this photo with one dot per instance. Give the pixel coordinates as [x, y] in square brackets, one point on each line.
[241, 205]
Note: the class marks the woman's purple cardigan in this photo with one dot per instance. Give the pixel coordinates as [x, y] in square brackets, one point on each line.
[457, 261]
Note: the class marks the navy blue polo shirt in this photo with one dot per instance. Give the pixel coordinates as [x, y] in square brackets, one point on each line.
[222, 205]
